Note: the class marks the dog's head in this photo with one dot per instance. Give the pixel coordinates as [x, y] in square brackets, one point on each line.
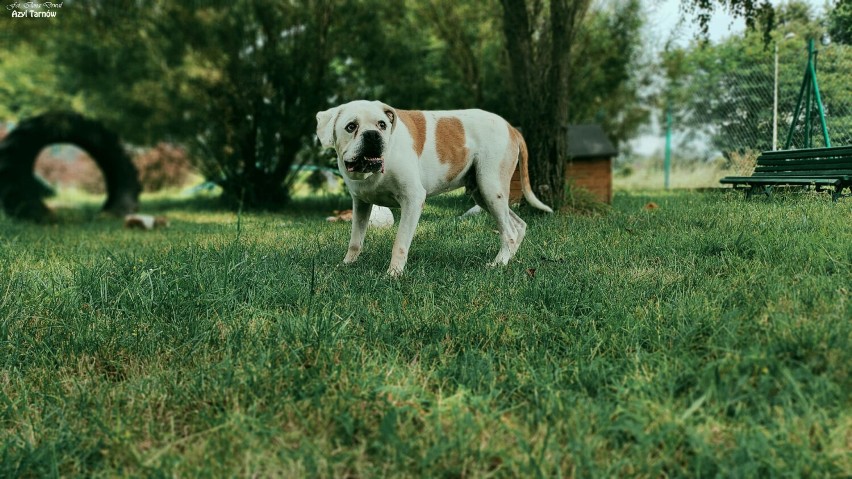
[360, 132]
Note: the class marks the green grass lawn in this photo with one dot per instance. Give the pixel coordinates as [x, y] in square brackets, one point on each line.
[709, 336]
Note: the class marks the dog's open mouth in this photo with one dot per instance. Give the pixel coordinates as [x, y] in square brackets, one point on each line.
[365, 165]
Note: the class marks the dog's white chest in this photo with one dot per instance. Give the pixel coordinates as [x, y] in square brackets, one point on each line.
[380, 196]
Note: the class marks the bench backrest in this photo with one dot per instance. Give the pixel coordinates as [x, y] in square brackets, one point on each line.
[812, 162]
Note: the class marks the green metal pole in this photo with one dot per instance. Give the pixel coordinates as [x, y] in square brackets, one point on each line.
[809, 80]
[818, 98]
[809, 104]
[808, 122]
[798, 110]
[667, 164]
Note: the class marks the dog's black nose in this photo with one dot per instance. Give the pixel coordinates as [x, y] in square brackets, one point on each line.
[372, 136]
[371, 143]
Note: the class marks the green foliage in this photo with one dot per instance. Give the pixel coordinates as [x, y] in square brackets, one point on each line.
[426, 55]
[840, 22]
[708, 337]
[30, 84]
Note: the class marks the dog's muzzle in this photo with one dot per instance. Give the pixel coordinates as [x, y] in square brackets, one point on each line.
[368, 158]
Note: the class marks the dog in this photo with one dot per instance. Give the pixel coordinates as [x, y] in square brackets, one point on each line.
[397, 158]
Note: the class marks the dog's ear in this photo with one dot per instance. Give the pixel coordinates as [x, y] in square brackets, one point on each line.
[391, 114]
[325, 126]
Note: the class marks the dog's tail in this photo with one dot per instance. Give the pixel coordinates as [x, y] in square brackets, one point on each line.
[525, 173]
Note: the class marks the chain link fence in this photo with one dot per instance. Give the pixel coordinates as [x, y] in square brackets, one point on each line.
[725, 96]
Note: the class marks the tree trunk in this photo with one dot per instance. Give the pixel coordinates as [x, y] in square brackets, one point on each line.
[538, 40]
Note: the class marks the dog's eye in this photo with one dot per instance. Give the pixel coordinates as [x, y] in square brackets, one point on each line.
[383, 125]
[351, 127]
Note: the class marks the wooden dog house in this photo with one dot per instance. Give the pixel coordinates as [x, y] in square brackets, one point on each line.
[590, 165]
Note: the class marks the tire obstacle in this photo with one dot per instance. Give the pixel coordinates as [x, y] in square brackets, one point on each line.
[20, 192]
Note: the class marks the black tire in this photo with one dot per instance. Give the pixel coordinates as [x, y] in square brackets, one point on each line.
[20, 193]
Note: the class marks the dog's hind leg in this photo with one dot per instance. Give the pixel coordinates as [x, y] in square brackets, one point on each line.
[495, 198]
[520, 226]
[508, 233]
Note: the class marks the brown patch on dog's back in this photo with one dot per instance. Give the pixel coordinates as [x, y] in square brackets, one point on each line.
[415, 121]
[449, 142]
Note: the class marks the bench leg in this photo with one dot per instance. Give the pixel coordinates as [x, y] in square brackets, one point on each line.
[758, 190]
[750, 191]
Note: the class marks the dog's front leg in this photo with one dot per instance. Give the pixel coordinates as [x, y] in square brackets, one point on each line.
[411, 207]
[360, 220]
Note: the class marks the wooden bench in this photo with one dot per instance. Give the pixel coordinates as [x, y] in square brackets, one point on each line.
[822, 168]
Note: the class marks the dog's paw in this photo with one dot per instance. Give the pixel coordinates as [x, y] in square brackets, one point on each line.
[351, 256]
[394, 272]
[496, 264]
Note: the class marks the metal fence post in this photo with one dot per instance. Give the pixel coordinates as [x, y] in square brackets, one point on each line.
[667, 163]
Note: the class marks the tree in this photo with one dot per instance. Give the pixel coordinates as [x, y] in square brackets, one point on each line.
[539, 38]
[260, 70]
[840, 22]
[466, 38]
[429, 54]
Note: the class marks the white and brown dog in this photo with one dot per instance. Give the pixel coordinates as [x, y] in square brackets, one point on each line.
[397, 158]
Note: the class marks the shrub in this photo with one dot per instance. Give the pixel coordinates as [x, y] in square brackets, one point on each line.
[163, 166]
[580, 201]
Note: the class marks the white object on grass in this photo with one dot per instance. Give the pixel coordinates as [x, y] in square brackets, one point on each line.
[145, 222]
[381, 217]
[473, 211]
